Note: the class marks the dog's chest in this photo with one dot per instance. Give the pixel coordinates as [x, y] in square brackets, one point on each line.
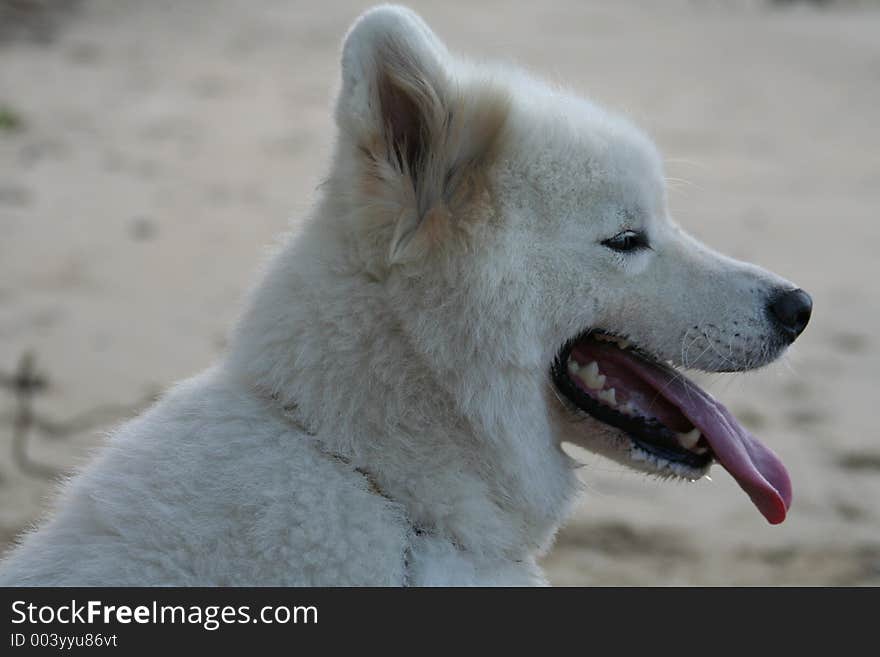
[435, 561]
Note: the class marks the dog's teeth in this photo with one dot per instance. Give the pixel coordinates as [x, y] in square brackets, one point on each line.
[623, 344]
[690, 439]
[608, 396]
[629, 408]
[573, 367]
[591, 377]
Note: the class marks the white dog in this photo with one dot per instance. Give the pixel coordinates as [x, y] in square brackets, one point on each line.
[491, 271]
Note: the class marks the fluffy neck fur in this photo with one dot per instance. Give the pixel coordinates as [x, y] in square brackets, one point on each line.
[399, 380]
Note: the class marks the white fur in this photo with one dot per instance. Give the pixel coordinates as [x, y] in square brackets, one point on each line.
[384, 414]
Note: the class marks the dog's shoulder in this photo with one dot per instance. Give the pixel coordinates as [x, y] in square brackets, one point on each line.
[208, 488]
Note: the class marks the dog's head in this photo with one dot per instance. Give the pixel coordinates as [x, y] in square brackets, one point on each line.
[522, 234]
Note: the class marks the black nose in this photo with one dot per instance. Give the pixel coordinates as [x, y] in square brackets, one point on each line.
[792, 310]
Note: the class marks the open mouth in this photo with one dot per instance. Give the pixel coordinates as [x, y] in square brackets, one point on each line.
[670, 421]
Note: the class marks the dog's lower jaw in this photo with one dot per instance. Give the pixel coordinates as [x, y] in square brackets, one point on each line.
[608, 442]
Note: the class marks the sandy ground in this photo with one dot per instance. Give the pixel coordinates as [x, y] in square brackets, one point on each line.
[150, 150]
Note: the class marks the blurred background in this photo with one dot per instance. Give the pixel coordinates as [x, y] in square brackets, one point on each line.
[150, 150]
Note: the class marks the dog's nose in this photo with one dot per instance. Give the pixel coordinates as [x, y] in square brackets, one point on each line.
[792, 310]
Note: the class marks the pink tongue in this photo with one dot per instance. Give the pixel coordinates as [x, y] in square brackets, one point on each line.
[757, 470]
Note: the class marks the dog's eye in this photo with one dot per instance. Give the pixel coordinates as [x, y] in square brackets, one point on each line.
[627, 240]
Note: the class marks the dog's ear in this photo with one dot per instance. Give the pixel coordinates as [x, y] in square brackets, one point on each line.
[393, 82]
[401, 108]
